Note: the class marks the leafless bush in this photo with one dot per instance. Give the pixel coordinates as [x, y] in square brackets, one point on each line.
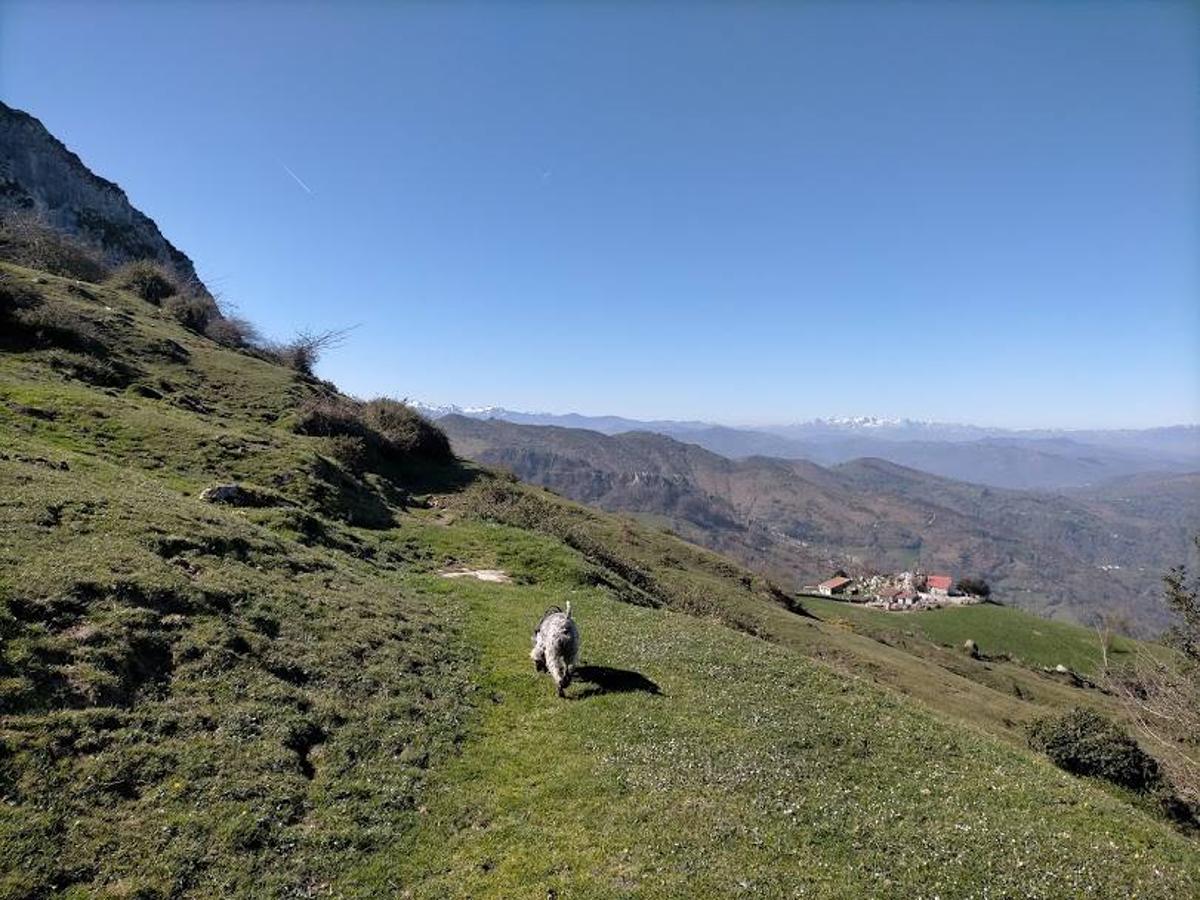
[1161, 692]
[233, 331]
[304, 351]
[28, 240]
[1162, 699]
[15, 298]
[91, 369]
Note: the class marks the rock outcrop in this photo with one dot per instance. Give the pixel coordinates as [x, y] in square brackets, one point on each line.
[40, 176]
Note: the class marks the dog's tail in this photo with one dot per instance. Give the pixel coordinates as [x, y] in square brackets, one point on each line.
[568, 613]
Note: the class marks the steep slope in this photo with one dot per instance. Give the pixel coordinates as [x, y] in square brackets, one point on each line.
[796, 521]
[285, 697]
[39, 175]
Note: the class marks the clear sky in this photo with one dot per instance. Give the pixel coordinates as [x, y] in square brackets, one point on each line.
[982, 212]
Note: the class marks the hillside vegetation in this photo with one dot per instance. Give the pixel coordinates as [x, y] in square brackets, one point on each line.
[281, 696]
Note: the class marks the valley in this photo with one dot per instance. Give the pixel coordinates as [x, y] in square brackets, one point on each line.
[1075, 555]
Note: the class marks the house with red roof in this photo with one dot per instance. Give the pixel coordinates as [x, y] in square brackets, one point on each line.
[835, 585]
[938, 584]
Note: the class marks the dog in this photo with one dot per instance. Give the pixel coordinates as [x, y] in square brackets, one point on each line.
[556, 646]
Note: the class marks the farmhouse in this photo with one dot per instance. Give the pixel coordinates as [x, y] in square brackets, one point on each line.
[835, 585]
[938, 584]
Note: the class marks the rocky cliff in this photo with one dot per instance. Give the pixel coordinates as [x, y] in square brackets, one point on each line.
[39, 175]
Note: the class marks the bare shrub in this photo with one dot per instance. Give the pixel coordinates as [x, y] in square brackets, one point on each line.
[15, 298]
[304, 351]
[1162, 698]
[1160, 692]
[28, 240]
[233, 331]
[151, 281]
[58, 325]
[92, 370]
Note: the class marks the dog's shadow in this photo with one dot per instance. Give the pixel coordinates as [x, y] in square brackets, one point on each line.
[607, 680]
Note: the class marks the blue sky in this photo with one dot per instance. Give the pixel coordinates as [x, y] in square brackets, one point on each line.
[979, 212]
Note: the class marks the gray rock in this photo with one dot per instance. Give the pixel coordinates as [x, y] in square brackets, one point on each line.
[233, 495]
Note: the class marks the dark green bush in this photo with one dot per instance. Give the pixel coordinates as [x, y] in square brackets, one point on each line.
[405, 429]
[151, 281]
[389, 430]
[976, 587]
[1083, 742]
[193, 311]
[30, 321]
[349, 450]
[92, 370]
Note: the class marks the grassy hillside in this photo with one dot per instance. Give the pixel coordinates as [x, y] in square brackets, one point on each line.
[999, 631]
[285, 697]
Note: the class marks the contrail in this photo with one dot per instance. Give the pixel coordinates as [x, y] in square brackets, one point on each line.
[297, 177]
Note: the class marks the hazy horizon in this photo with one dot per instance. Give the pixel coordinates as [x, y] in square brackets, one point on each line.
[785, 422]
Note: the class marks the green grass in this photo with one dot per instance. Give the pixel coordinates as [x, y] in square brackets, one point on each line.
[750, 771]
[998, 630]
[287, 700]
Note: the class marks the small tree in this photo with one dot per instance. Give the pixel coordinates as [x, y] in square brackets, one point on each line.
[1183, 599]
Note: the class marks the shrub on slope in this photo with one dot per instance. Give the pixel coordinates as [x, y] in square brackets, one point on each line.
[148, 280]
[378, 432]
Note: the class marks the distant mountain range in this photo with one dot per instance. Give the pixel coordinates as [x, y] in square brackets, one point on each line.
[1026, 459]
[1071, 553]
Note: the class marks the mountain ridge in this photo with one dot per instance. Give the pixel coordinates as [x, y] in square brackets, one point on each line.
[1034, 459]
[41, 176]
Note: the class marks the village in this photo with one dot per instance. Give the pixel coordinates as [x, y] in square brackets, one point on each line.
[902, 591]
